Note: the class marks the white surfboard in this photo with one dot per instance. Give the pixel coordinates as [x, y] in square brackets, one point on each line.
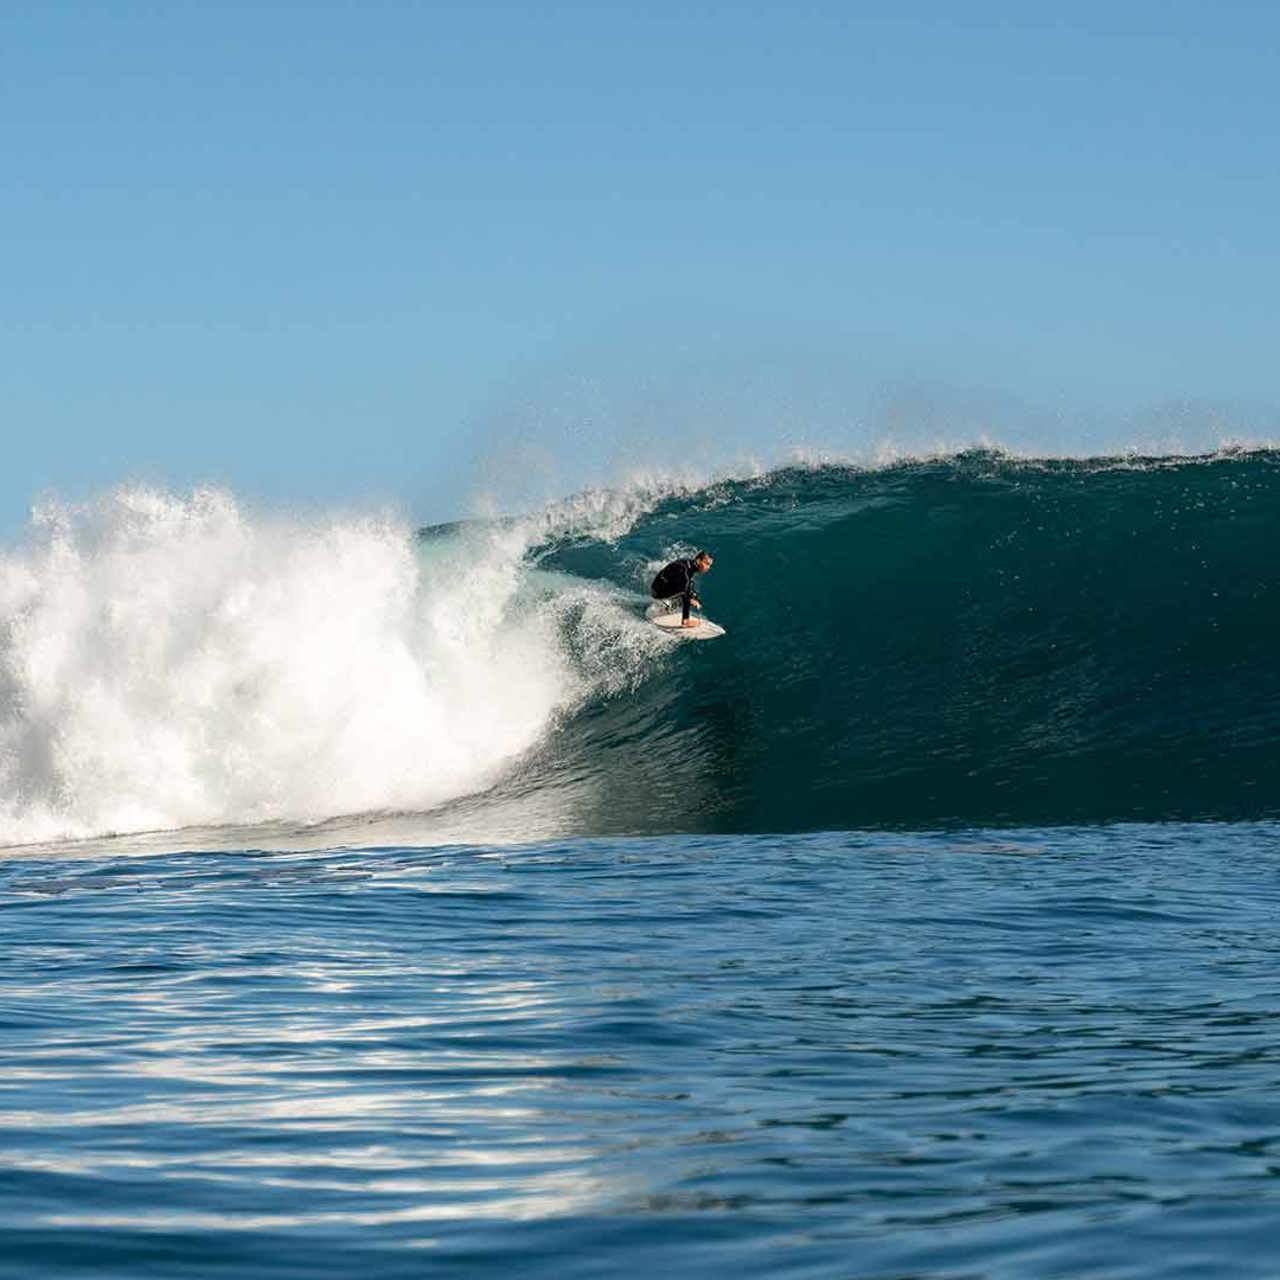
[672, 624]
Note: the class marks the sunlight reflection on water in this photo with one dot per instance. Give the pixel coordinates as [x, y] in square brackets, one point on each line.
[1042, 1052]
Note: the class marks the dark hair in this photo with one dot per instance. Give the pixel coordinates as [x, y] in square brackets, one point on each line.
[701, 554]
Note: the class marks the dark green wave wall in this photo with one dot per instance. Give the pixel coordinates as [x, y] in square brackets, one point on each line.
[972, 640]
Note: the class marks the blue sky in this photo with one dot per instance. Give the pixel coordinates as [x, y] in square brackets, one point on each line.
[334, 253]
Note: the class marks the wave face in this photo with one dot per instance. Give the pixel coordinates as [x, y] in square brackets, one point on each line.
[974, 640]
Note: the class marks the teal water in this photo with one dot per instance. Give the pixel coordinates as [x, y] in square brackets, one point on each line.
[971, 641]
[1004, 1053]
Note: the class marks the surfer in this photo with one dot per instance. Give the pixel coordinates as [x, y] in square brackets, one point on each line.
[676, 582]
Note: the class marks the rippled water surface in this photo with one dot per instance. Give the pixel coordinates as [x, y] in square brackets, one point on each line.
[1042, 1053]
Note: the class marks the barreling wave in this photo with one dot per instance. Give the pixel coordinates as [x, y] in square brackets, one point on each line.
[968, 640]
[971, 639]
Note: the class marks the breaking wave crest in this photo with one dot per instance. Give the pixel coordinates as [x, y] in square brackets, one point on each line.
[967, 639]
[166, 662]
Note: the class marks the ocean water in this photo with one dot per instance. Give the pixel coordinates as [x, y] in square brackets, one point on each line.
[390, 902]
[1027, 1053]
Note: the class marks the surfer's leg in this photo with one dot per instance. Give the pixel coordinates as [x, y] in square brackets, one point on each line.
[686, 600]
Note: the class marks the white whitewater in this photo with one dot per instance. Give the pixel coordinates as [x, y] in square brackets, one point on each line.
[171, 661]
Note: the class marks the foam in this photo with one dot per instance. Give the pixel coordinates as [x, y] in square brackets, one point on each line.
[174, 661]
[168, 661]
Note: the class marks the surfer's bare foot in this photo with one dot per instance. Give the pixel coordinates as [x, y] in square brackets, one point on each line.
[691, 622]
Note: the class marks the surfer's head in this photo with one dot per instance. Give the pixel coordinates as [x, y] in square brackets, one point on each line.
[703, 561]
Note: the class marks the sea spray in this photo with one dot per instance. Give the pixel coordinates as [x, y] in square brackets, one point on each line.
[168, 661]
[955, 640]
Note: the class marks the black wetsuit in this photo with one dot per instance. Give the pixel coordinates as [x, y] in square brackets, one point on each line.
[676, 580]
